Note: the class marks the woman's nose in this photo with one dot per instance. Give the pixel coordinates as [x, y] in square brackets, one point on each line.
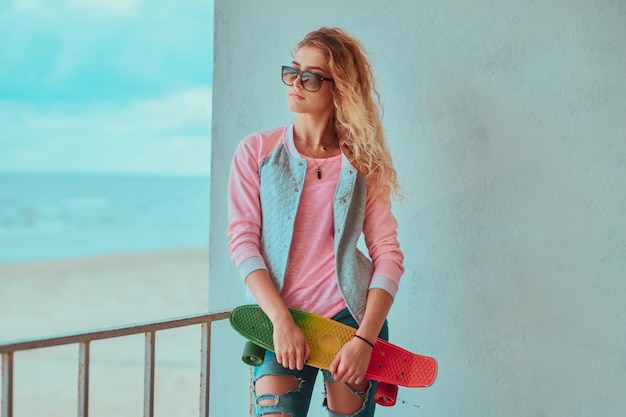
[297, 82]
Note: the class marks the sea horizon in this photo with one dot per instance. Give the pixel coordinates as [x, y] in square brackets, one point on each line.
[64, 215]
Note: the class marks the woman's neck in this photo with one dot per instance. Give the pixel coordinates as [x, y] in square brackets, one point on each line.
[314, 132]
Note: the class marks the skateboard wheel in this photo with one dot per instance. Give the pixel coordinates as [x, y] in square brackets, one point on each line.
[253, 354]
[386, 394]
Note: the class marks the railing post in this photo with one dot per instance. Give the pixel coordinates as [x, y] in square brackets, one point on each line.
[83, 379]
[7, 384]
[205, 370]
[148, 387]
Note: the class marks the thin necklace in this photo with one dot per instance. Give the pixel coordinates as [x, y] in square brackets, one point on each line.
[319, 166]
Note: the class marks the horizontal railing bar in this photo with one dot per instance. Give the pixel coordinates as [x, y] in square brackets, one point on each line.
[113, 332]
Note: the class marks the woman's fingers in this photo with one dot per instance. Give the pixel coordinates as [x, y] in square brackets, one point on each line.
[291, 348]
[350, 363]
[293, 358]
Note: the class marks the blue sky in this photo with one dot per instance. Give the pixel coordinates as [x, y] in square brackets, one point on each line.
[105, 86]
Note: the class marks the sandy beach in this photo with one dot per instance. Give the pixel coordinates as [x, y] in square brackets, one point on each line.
[46, 298]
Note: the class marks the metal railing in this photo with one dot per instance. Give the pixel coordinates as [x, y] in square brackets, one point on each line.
[84, 340]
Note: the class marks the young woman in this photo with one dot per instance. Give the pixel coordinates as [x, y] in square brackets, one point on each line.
[300, 197]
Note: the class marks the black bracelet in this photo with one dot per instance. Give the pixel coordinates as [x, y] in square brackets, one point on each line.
[365, 340]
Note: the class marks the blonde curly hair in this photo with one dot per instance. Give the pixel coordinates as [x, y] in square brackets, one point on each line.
[357, 115]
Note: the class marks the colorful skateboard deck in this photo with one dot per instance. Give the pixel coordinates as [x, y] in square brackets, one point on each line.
[389, 363]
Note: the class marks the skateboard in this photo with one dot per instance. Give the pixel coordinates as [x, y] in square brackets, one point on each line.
[390, 365]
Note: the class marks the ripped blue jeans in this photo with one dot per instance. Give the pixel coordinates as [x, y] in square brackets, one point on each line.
[296, 403]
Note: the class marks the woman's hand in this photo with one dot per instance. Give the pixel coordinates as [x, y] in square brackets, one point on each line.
[351, 362]
[290, 345]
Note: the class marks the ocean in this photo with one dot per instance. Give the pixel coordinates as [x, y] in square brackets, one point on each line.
[56, 216]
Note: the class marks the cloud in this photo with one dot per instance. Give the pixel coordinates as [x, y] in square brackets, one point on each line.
[106, 5]
[113, 49]
[170, 134]
[106, 85]
[33, 6]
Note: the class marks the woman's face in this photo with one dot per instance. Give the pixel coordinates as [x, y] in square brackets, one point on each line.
[299, 99]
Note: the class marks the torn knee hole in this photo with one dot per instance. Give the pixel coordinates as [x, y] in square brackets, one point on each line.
[359, 392]
[344, 399]
[269, 388]
[267, 399]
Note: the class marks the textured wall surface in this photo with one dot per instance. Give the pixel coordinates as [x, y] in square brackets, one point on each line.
[507, 121]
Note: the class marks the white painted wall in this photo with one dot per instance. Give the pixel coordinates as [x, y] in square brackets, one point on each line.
[507, 121]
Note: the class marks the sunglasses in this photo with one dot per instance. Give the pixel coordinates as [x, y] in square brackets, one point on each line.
[310, 81]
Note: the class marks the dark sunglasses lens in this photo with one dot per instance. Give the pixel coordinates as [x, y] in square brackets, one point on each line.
[310, 81]
[289, 75]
